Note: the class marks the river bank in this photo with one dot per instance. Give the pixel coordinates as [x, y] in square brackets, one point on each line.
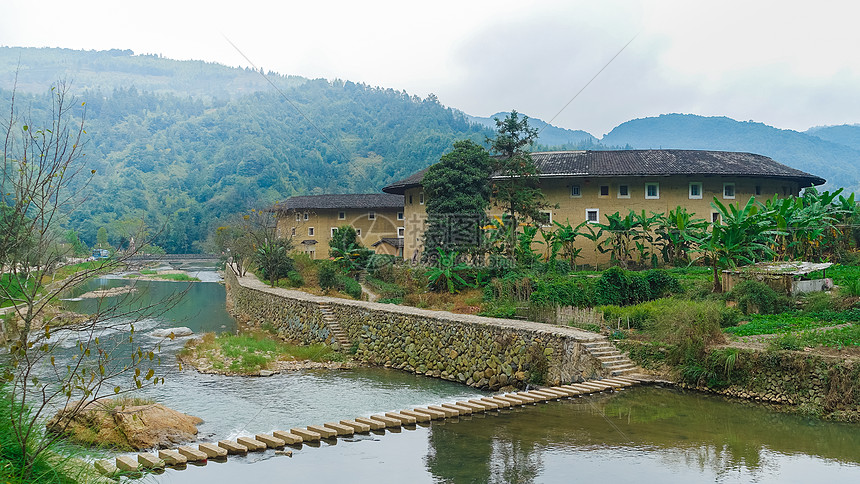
[819, 385]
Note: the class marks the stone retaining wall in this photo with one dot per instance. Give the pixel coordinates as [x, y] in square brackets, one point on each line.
[827, 386]
[477, 351]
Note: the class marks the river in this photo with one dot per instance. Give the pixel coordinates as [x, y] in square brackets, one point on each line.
[645, 434]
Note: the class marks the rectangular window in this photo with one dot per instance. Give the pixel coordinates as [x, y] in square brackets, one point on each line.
[358, 232]
[604, 190]
[652, 191]
[575, 191]
[715, 217]
[623, 191]
[399, 215]
[410, 199]
[592, 215]
[307, 216]
[332, 231]
[298, 217]
[401, 232]
[371, 215]
[695, 190]
[312, 253]
[758, 190]
[341, 215]
[293, 232]
[421, 198]
[546, 218]
[310, 231]
[729, 190]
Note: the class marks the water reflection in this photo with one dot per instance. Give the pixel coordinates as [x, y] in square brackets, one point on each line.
[701, 437]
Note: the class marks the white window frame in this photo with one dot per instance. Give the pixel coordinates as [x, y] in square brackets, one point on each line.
[421, 198]
[600, 191]
[358, 232]
[549, 218]
[690, 191]
[619, 195]
[371, 215]
[307, 216]
[310, 232]
[729, 197]
[293, 232]
[578, 188]
[341, 215]
[655, 185]
[401, 232]
[332, 231]
[400, 216]
[596, 213]
[716, 218]
[298, 217]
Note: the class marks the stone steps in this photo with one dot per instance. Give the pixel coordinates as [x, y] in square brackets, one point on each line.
[407, 419]
[610, 358]
[337, 332]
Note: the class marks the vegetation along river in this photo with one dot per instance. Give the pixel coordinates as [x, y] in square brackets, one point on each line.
[645, 434]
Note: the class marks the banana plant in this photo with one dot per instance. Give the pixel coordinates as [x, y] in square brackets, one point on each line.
[446, 272]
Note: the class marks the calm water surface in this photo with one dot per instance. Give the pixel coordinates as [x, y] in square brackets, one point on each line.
[640, 435]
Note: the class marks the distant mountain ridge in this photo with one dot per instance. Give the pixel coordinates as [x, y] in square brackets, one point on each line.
[549, 135]
[187, 143]
[836, 162]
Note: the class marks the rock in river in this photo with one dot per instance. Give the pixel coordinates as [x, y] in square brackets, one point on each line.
[177, 332]
[126, 424]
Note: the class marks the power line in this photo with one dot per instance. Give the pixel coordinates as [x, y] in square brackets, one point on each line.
[589, 82]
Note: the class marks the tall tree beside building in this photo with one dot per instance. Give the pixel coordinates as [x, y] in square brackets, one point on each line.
[515, 184]
[458, 194]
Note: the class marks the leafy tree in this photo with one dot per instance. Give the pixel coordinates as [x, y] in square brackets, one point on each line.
[273, 259]
[458, 194]
[102, 238]
[42, 179]
[515, 183]
[78, 248]
[743, 235]
[446, 274]
[346, 250]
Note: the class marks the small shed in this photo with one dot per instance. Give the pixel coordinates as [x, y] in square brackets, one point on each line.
[790, 277]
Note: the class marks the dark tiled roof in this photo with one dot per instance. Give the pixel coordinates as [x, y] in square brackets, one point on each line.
[309, 242]
[392, 241]
[347, 200]
[401, 186]
[556, 164]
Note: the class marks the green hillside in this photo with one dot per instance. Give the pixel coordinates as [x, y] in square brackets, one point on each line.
[846, 134]
[837, 163]
[182, 163]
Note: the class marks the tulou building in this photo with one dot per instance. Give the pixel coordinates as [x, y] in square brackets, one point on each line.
[584, 186]
[587, 185]
[310, 220]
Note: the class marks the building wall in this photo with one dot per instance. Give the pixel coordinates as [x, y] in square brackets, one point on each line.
[673, 191]
[317, 224]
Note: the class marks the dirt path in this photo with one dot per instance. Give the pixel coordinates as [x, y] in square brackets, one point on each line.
[371, 296]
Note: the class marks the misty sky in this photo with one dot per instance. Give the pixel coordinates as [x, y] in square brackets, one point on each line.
[785, 63]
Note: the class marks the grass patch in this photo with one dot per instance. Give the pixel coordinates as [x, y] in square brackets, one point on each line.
[148, 272]
[792, 321]
[176, 277]
[252, 352]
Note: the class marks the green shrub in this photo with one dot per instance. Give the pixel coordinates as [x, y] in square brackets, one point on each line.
[619, 287]
[562, 291]
[787, 341]
[329, 276]
[390, 300]
[753, 296]
[661, 283]
[386, 290]
[689, 325]
[295, 279]
[351, 287]
[817, 302]
[851, 288]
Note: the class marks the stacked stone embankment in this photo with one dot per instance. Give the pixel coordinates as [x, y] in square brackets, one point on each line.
[481, 352]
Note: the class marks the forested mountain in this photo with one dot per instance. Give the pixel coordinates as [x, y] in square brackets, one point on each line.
[185, 162]
[181, 145]
[838, 163]
[550, 136]
[846, 134]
